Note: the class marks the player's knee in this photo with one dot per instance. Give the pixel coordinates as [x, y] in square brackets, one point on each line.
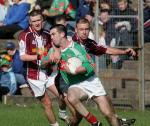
[47, 107]
[72, 96]
[72, 99]
[47, 104]
[109, 115]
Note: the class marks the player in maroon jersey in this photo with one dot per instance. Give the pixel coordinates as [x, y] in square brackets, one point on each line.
[33, 45]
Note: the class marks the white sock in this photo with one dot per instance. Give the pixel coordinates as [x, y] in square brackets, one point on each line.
[116, 116]
[55, 124]
[60, 110]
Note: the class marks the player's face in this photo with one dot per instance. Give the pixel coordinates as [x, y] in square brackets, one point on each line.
[55, 37]
[82, 30]
[36, 22]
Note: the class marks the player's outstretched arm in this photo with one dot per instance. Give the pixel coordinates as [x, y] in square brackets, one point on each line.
[115, 51]
[27, 57]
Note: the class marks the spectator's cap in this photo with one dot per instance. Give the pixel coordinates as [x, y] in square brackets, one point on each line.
[10, 45]
[4, 62]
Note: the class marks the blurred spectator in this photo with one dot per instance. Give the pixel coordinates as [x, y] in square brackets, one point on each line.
[147, 21]
[106, 35]
[75, 3]
[17, 65]
[106, 27]
[85, 8]
[15, 20]
[3, 9]
[61, 19]
[90, 18]
[55, 8]
[114, 3]
[126, 28]
[32, 4]
[104, 4]
[7, 78]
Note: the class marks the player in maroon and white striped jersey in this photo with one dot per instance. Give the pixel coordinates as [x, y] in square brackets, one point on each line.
[81, 36]
[34, 44]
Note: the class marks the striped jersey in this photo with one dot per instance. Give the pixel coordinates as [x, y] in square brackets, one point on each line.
[29, 43]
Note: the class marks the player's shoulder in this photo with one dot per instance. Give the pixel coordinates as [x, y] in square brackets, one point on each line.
[46, 32]
[24, 34]
[91, 41]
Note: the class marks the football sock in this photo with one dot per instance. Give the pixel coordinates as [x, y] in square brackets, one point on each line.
[55, 124]
[91, 118]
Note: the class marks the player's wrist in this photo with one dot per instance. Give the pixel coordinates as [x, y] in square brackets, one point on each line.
[38, 57]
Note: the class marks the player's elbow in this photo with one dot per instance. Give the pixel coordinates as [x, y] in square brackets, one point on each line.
[22, 57]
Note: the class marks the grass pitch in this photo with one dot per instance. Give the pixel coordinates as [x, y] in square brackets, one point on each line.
[12, 115]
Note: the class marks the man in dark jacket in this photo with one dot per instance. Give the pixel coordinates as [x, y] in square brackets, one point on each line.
[126, 28]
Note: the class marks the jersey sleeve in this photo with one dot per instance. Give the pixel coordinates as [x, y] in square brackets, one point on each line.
[93, 48]
[22, 44]
[89, 68]
[87, 61]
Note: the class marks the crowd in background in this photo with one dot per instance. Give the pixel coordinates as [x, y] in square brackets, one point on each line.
[118, 26]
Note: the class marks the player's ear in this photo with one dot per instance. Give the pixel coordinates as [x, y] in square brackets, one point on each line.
[29, 21]
[75, 29]
[62, 34]
[42, 18]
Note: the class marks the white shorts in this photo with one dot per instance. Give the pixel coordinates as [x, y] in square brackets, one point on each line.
[92, 87]
[39, 86]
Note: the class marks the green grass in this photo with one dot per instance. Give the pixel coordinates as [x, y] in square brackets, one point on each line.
[11, 115]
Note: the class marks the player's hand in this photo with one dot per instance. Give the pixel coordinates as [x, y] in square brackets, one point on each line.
[41, 53]
[55, 57]
[64, 67]
[130, 51]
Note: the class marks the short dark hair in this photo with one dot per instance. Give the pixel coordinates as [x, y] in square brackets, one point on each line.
[105, 10]
[59, 18]
[126, 1]
[82, 21]
[35, 13]
[60, 28]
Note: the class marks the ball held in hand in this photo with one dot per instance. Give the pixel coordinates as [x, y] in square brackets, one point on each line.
[73, 63]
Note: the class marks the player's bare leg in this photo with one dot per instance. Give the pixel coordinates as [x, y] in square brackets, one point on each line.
[47, 104]
[62, 106]
[123, 121]
[75, 96]
[53, 90]
[75, 117]
[106, 109]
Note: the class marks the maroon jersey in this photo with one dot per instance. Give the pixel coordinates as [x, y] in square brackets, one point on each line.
[29, 43]
[91, 46]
